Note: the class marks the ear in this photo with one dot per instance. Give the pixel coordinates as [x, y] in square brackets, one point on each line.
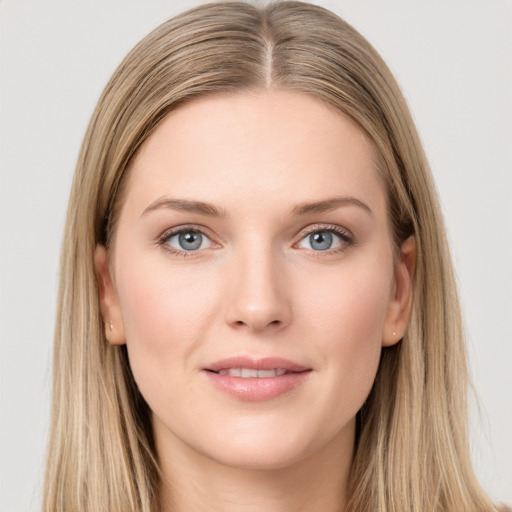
[109, 304]
[401, 299]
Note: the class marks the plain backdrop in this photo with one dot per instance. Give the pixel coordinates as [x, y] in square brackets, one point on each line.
[453, 59]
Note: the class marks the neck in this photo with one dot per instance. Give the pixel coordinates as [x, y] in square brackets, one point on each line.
[192, 482]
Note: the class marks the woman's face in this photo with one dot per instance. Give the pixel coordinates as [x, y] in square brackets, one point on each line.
[252, 278]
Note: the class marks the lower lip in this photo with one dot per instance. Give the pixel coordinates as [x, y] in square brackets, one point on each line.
[257, 390]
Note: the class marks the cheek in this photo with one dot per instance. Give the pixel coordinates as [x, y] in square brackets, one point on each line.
[346, 323]
[165, 315]
[349, 305]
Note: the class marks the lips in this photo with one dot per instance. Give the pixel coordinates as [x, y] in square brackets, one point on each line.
[265, 363]
[250, 373]
[256, 379]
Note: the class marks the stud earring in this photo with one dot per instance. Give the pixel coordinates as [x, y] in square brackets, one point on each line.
[110, 325]
[394, 333]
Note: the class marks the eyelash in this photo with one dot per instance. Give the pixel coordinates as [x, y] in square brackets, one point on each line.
[164, 238]
[345, 236]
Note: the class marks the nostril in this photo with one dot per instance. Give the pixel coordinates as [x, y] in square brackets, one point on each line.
[274, 323]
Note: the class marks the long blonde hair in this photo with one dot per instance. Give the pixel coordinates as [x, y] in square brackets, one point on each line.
[412, 450]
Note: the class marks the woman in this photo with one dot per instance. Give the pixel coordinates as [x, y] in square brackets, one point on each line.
[257, 307]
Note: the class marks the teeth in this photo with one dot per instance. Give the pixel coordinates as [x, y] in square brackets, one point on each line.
[248, 373]
[266, 373]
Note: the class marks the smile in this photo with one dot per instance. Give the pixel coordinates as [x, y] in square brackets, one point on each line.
[256, 380]
[251, 373]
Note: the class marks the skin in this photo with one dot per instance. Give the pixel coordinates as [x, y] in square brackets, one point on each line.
[257, 287]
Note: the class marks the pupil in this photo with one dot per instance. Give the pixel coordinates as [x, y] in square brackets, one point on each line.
[190, 240]
[321, 241]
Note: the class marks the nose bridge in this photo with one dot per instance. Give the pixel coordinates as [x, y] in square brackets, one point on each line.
[259, 295]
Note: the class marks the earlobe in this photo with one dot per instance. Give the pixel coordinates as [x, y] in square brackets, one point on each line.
[401, 301]
[109, 304]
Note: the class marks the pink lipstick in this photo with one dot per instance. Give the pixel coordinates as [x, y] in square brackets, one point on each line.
[256, 379]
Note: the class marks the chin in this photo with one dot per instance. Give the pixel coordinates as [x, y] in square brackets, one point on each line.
[273, 447]
[257, 458]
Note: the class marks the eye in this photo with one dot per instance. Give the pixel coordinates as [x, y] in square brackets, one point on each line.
[186, 240]
[325, 240]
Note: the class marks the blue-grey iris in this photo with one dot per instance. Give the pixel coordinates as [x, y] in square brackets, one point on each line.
[320, 241]
[190, 240]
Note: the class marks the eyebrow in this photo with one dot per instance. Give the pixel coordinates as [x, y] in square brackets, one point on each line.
[328, 205]
[186, 205]
[210, 210]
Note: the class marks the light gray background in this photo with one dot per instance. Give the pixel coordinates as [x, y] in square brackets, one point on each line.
[454, 61]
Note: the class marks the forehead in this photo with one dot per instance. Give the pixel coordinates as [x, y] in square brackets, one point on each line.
[272, 145]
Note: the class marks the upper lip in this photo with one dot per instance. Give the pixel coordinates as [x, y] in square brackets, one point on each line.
[265, 363]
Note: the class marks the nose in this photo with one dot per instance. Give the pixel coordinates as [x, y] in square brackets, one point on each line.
[260, 297]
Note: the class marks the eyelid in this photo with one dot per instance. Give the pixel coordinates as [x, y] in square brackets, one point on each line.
[346, 236]
[180, 229]
[333, 228]
[176, 230]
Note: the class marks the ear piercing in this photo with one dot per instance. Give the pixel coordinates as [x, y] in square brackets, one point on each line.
[393, 333]
[110, 325]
